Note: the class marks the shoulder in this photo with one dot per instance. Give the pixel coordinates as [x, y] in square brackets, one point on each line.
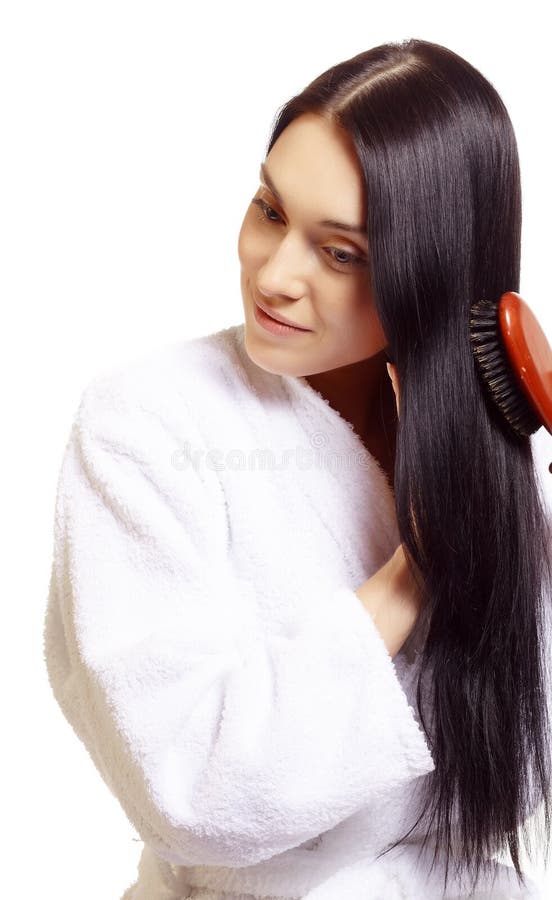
[177, 382]
[138, 441]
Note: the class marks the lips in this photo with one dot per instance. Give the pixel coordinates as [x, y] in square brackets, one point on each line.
[279, 318]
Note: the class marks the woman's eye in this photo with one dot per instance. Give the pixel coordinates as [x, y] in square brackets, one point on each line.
[265, 208]
[346, 259]
[349, 257]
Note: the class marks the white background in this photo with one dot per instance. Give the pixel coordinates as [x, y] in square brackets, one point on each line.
[131, 136]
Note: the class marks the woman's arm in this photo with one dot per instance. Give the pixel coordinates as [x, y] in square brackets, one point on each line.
[391, 595]
[228, 734]
[393, 600]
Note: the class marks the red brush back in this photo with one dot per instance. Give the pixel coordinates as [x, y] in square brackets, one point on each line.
[529, 353]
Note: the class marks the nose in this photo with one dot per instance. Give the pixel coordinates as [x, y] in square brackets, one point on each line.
[285, 270]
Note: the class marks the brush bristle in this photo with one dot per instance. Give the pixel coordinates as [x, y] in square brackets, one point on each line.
[495, 369]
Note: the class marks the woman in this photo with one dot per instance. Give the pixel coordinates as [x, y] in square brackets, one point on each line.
[322, 678]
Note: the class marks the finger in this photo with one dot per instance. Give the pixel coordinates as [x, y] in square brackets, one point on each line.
[392, 372]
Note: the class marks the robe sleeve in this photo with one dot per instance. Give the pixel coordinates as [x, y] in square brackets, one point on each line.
[224, 740]
[410, 871]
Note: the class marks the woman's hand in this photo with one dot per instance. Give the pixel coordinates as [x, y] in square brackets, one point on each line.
[391, 595]
[393, 599]
[392, 372]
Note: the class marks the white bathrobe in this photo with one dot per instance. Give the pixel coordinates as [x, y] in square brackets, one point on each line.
[204, 640]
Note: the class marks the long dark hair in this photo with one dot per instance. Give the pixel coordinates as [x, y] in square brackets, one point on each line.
[440, 164]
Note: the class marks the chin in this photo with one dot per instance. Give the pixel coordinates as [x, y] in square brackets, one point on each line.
[262, 356]
[256, 354]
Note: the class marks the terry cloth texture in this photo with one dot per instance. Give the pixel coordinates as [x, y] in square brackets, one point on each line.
[204, 640]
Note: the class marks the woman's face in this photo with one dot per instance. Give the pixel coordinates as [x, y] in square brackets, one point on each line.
[310, 271]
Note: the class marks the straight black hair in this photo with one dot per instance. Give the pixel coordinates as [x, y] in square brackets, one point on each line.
[441, 172]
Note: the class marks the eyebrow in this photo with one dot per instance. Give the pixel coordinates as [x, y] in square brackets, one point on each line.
[329, 223]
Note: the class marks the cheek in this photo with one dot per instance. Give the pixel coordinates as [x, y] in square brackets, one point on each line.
[357, 318]
[371, 328]
[252, 246]
[374, 320]
[349, 303]
[243, 242]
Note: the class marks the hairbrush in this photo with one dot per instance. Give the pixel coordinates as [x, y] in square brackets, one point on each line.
[515, 361]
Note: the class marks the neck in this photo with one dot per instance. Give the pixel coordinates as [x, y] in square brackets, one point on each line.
[363, 394]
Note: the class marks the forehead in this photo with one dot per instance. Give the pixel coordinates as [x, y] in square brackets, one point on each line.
[314, 162]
